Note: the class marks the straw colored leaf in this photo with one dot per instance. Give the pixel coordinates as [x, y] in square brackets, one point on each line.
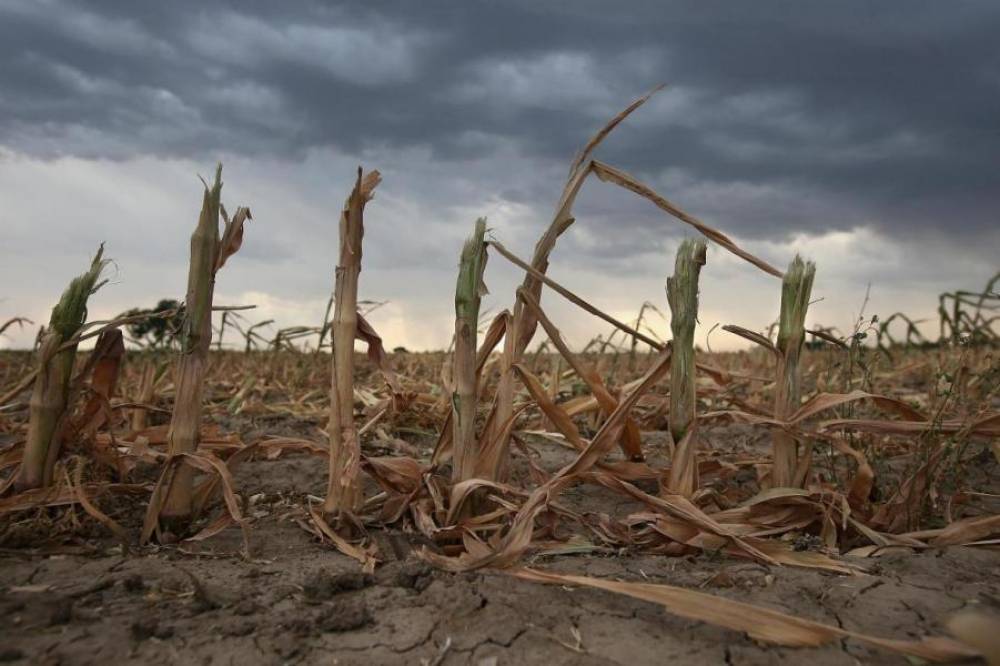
[96, 513]
[758, 622]
[367, 556]
[967, 531]
[376, 354]
[555, 414]
[64, 495]
[232, 234]
[631, 439]
[752, 336]
[610, 174]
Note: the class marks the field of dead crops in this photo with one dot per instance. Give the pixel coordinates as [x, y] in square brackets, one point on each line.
[824, 496]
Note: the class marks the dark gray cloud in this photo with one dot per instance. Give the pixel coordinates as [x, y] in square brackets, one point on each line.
[889, 108]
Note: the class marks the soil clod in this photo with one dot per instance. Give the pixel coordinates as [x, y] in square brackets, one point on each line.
[322, 585]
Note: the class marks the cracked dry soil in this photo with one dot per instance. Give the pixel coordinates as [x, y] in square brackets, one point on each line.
[296, 602]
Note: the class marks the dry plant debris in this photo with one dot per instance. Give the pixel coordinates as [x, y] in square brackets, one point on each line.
[480, 456]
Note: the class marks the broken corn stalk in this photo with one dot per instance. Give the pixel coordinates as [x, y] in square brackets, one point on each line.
[209, 252]
[55, 369]
[343, 489]
[796, 289]
[682, 294]
[469, 290]
[196, 336]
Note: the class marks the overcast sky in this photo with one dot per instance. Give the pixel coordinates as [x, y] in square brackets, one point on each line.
[865, 135]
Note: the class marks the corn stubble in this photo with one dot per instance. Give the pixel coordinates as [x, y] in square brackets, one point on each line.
[682, 295]
[50, 395]
[483, 515]
[209, 252]
[343, 490]
[469, 291]
[796, 288]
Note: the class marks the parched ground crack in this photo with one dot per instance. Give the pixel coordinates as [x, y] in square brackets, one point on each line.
[913, 610]
[863, 591]
[490, 641]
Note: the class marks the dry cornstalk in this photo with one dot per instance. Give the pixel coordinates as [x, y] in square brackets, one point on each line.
[638, 326]
[554, 384]
[497, 329]
[796, 289]
[524, 325]
[343, 489]
[682, 294]
[147, 385]
[468, 293]
[208, 254]
[50, 394]
[252, 333]
[20, 321]
[222, 329]
[325, 327]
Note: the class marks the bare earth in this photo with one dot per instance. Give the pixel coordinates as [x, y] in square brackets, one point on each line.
[297, 602]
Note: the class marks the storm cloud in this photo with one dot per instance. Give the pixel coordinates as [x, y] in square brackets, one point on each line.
[871, 127]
